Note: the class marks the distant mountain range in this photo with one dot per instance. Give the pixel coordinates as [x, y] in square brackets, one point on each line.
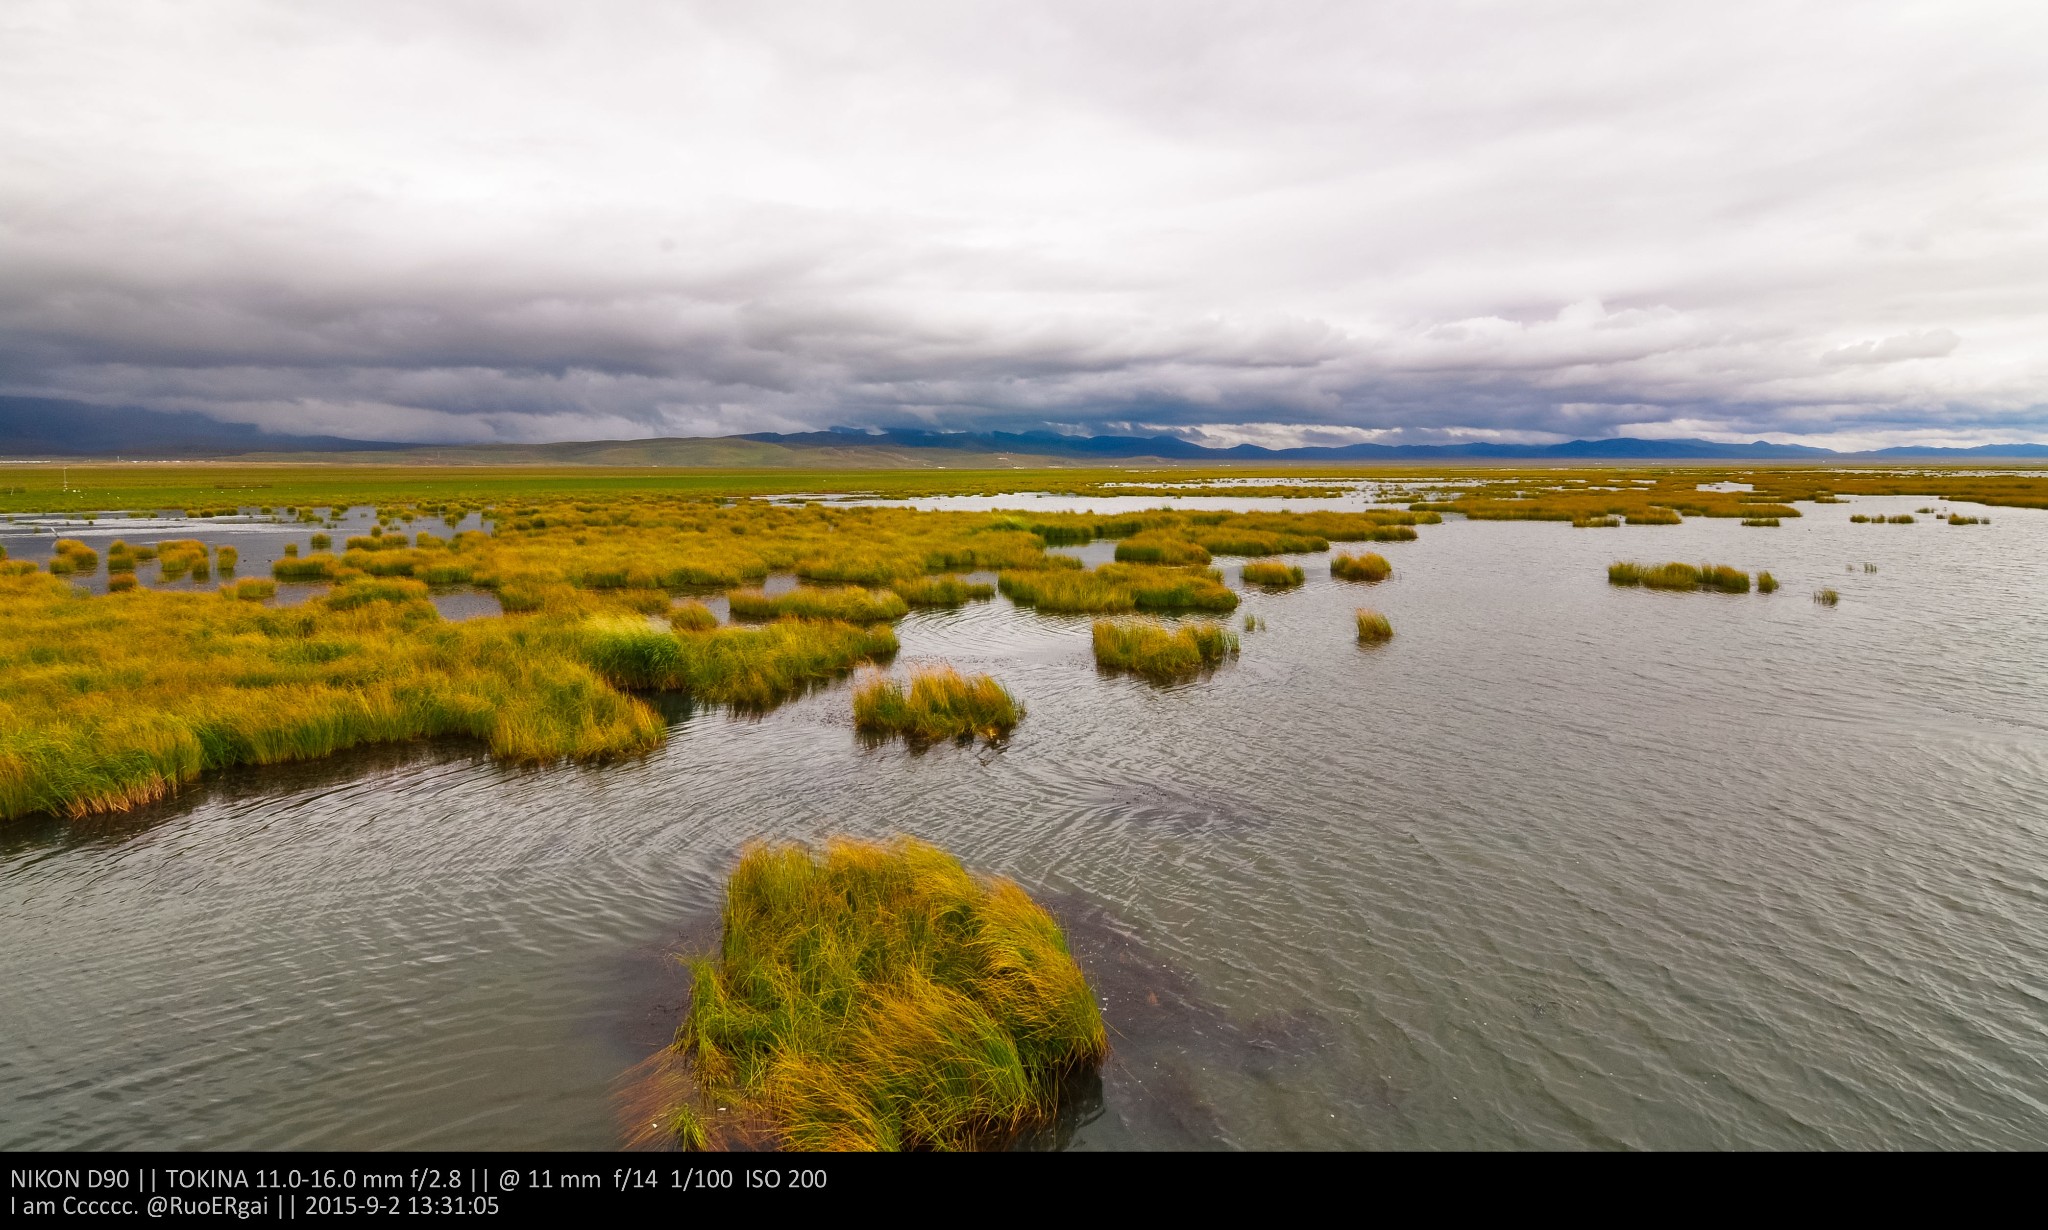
[48, 427]
[43, 427]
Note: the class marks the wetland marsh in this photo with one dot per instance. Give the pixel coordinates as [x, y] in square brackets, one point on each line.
[1563, 864]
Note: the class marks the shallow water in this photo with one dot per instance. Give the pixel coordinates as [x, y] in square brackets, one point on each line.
[1563, 865]
[259, 542]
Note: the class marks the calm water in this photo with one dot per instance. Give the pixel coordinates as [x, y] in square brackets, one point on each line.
[1562, 866]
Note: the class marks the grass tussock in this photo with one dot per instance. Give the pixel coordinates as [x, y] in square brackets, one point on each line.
[1766, 583]
[71, 556]
[1115, 588]
[1161, 548]
[120, 582]
[878, 997]
[249, 589]
[1373, 627]
[1771, 522]
[1827, 596]
[1160, 653]
[1960, 519]
[747, 668]
[1682, 577]
[851, 605]
[940, 704]
[942, 591]
[1272, 574]
[692, 616]
[1371, 567]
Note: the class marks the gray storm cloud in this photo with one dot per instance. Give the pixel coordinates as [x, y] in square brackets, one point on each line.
[510, 220]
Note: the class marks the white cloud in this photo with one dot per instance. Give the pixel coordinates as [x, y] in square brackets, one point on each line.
[526, 220]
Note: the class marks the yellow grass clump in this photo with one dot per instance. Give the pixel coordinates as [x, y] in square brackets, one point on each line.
[1370, 567]
[878, 997]
[1680, 576]
[1373, 627]
[940, 704]
[942, 591]
[1159, 653]
[849, 605]
[1272, 574]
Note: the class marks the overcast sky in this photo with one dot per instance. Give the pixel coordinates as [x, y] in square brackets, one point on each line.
[501, 220]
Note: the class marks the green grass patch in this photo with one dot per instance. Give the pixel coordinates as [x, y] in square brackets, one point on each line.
[1373, 627]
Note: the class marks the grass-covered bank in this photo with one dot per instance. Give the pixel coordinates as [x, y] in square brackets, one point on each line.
[876, 996]
[110, 702]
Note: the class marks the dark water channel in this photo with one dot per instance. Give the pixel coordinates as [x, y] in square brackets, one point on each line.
[1561, 866]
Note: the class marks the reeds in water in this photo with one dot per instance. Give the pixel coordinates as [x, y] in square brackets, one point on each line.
[1159, 653]
[72, 556]
[940, 704]
[320, 567]
[849, 605]
[1159, 547]
[942, 591]
[1826, 596]
[1371, 568]
[747, 668]
[1655, 516]
[318, 542]
[1760, 521]
[1373, 627]
[1901, 519]
[878, 997]
[226, 558]
[1766, 583]
[1960, 519]
[119, 582]
[1678, 576]
[249, 589]
[1272, 574]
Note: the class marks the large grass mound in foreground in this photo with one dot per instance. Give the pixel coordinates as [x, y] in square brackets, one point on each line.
[879, 997]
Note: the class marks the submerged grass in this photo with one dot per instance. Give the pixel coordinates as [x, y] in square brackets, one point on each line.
[878, 997]
[940, 704]
[1159, 653]
[1371, 567]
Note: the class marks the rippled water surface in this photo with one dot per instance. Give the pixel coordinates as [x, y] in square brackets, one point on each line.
[1562, 866]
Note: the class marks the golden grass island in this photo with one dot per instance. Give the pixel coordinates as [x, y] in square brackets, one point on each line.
[873, 996]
